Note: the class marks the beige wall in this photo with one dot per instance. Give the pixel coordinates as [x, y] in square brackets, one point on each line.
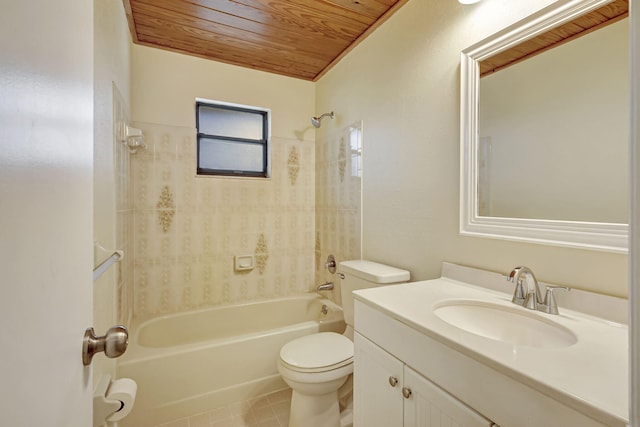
[403, 82]
[167, 84]
[189, 228]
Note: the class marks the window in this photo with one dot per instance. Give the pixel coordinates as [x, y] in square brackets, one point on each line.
[233, 140]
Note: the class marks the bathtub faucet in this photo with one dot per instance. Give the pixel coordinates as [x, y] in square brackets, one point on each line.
[325, 286]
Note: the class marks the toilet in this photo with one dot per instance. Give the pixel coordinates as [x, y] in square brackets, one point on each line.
[316, 366]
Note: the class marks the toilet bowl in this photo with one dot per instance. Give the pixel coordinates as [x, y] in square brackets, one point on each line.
[316, 366]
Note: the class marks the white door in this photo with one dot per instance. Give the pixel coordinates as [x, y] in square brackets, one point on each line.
[430, 406]
[377, 385]
[46, 168]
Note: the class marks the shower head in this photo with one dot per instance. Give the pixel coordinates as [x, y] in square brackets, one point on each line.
[315, 121]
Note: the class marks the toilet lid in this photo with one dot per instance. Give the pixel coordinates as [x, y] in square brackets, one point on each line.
[317, 350]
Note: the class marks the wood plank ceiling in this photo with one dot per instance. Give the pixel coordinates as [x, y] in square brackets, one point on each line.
[296, 38]
[580, 26]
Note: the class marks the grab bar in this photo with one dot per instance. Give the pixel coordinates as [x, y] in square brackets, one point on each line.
[104, 265]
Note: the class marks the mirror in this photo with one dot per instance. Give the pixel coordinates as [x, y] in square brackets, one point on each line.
[545, 129]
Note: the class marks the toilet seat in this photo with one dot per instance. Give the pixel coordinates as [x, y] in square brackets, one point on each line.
[321, 352]
[319, 369]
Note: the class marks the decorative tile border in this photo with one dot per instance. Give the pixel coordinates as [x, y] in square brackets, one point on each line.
[261, 253]
[166, 209]
[293, 164]
[342, 158]
[318, 252]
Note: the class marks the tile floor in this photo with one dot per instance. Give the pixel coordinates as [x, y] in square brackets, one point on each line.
[271, 410]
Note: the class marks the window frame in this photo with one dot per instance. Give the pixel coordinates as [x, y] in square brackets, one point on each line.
[265, 141]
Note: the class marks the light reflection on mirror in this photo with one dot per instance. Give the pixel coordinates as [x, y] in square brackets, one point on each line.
[553, 133]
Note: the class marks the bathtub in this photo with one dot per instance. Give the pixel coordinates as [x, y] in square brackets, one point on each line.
[193, 362]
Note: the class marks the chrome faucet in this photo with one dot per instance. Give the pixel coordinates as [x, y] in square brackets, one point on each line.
[328, 286]
[529, 297]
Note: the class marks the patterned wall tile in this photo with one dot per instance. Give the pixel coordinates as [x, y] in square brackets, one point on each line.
[124, 238]
[318, 252]
[338, 200]
[185, 261]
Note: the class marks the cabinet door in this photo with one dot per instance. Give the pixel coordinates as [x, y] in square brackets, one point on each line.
[377, 384]
[430, 406]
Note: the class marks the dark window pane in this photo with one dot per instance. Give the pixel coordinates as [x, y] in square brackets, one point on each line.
[223, 155]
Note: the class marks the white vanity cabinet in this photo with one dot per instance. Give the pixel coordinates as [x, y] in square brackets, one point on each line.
[388, 393]
[451, 385]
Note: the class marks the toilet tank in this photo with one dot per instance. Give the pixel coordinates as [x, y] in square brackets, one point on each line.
[362, 274]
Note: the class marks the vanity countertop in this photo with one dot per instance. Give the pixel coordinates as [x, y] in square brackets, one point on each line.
[591, 375]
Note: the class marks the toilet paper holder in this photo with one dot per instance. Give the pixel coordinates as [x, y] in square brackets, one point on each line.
[112, 400]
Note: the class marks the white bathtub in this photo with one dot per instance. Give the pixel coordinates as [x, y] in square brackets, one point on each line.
[193, 362]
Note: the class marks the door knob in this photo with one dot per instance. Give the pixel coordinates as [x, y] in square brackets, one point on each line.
[393, 381]
[113, 343]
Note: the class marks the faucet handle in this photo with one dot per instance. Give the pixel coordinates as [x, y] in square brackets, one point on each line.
[551, 306]
[519, 295]
[531, 301]
[519, 292]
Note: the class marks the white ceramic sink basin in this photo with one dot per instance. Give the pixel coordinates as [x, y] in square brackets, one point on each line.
[503, 323]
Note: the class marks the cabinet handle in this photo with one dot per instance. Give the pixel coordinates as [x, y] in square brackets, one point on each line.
[393, 381]
[406, 392]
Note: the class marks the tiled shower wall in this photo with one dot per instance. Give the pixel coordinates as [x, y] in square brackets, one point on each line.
[188, 228]
[124, 210]
[338, 200]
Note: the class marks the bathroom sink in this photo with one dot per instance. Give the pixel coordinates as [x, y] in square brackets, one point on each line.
[507, 324]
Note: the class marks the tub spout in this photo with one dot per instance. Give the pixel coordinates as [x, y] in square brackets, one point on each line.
[325, 286]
